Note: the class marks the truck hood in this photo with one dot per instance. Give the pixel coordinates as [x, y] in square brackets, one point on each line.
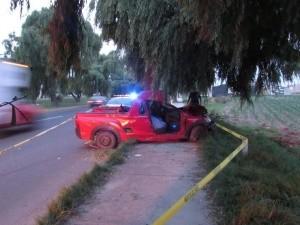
[109, 109]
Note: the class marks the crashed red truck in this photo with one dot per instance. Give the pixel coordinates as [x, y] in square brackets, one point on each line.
[106, 127]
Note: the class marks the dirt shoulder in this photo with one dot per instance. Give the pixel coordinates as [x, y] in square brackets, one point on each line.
[153, 177]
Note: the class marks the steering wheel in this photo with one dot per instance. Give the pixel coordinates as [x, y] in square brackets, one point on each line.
[124, 108]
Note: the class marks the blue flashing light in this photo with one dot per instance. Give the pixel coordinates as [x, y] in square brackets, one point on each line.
[133, 95]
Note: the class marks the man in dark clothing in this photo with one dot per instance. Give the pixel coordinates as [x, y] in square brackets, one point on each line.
[194, 98]
[194, 104]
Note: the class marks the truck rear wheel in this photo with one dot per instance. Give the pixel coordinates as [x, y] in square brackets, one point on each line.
[197, 133]
[105, 140]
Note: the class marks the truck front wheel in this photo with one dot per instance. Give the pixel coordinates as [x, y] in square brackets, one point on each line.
[105, 140]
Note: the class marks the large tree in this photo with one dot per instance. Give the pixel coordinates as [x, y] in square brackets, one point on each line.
[88, 54]
[108, 75]
[32, 49]
[183, 44]
[115, 70]
[66, 31]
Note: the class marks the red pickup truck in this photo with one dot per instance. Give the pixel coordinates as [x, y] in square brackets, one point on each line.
[147, 119]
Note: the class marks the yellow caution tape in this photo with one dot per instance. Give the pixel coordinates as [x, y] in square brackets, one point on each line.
[174, 209]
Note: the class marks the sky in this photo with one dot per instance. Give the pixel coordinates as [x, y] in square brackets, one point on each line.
[11, 21]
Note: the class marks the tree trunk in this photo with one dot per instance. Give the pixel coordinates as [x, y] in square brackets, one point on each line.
[54, 100]
[76, 97]
[148, 77]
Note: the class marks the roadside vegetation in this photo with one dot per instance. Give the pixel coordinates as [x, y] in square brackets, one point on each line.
[280, 115]
[260, 188]
[97, 73]
[64, 102]
[70, 198]
[275, 111]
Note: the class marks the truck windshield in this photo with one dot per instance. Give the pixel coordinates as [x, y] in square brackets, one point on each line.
[117, 101]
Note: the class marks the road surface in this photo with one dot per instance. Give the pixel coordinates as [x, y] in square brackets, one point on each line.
[36, 164]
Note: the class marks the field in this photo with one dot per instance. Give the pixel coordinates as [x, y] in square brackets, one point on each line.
[279, 114]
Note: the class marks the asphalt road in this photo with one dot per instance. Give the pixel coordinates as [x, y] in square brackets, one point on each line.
[36, 164]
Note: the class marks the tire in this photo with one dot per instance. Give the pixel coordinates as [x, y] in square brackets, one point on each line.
[197, 133]
[105, 140]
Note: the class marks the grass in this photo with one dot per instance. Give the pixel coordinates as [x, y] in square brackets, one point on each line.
[269, 111]
[262, 188]
[216, 107]
[66, 102]
[70, 198]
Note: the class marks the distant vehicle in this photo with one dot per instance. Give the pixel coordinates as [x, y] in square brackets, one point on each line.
[97, 100]
[146, 118]
[14, 110]
[221, 90]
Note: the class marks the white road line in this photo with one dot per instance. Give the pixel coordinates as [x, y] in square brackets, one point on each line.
[15, 146]
[50, 118]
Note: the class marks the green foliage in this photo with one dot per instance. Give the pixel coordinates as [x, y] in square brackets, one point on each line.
[15, 3]
[95, 81]
[10, 45]
[65, 102]
[188, 42]
[106, 74]
[79, 81]
[114, 70]
[90, 47]
[66, 31]
[32, 49]
[182, 45]
[261, 188]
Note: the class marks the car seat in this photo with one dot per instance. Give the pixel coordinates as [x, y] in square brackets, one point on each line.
[157, 117]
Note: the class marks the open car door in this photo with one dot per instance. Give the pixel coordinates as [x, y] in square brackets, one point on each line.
[141, 124]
